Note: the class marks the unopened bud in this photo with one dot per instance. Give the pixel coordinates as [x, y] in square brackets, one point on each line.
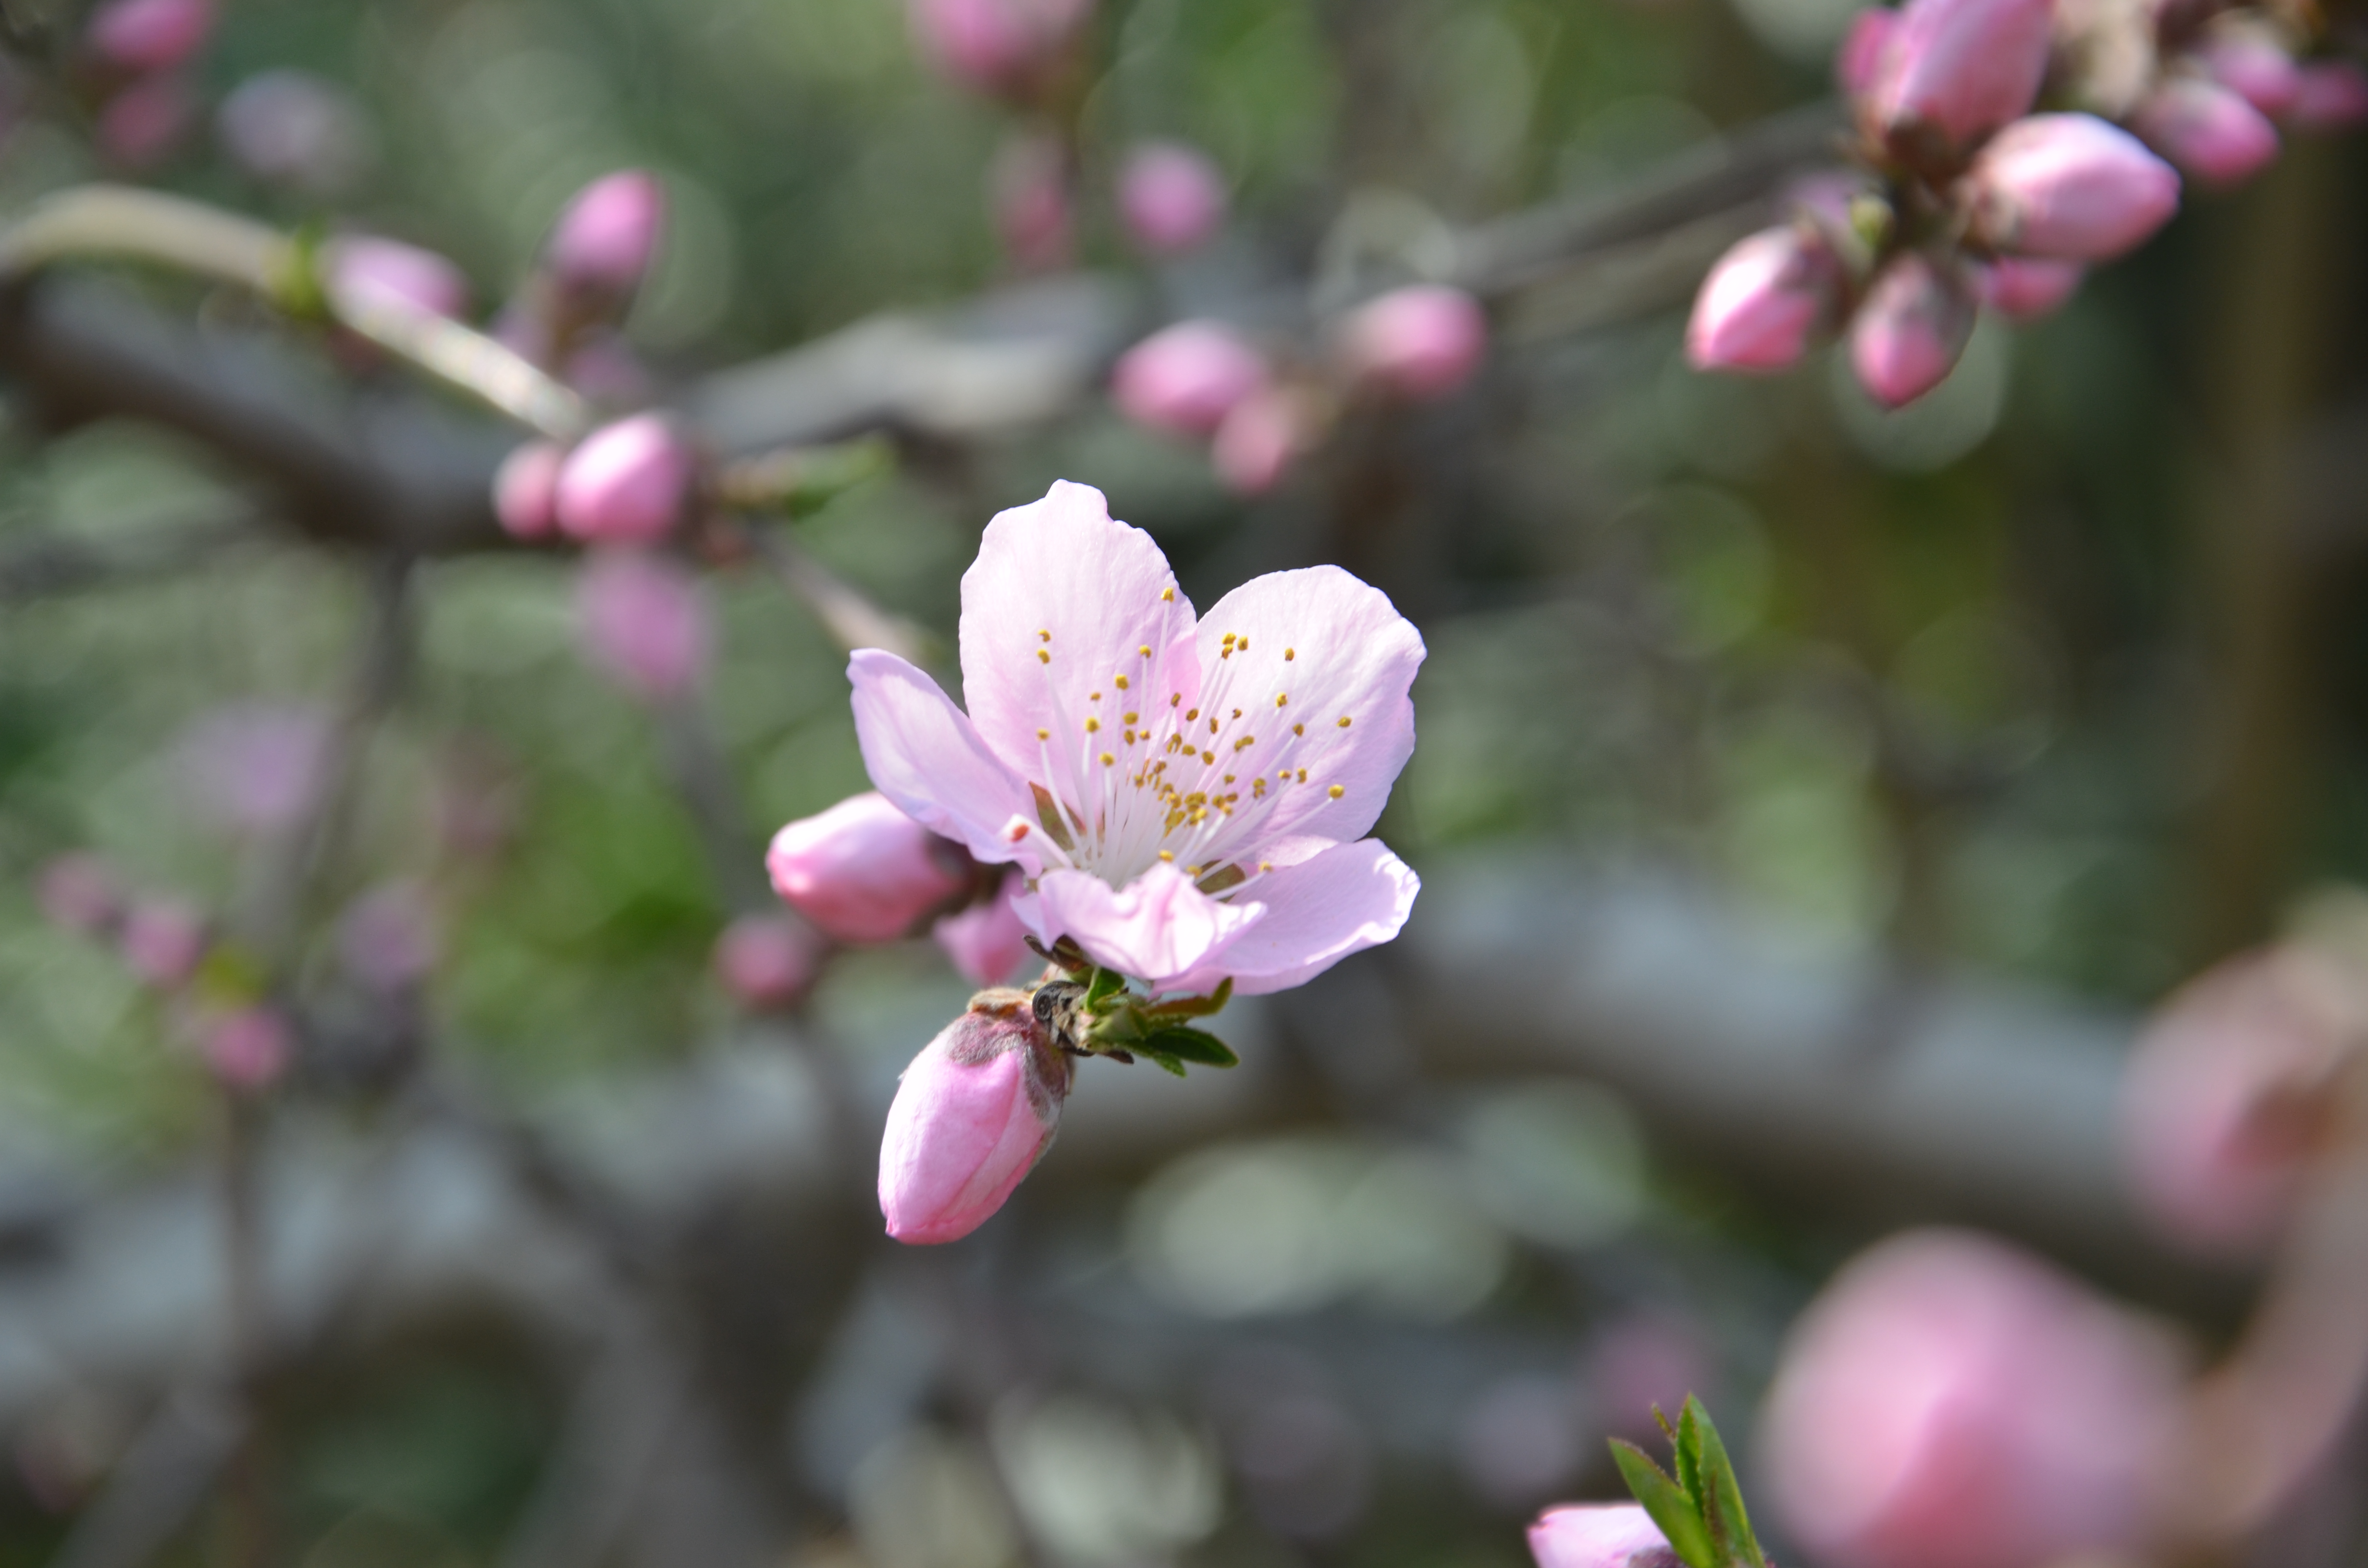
[143, 124]
[248, 1049]
[1186, 378]
[2026, 289]
[2332, 94]
[995, 45]
[526, 490]
[1419, 343]
[254, 768]
[1910, 328]
[294, 129]
[2253, 61]
[2208, 131]
[1027, 189]
[363, 269]
[864, 871]
[608, 235]
[163, 940]
[643, 621]
[1255, 446]
[1762, 300]
[1958, 69]
[1598, 1535]
[766, 962]
[986, 943]
[1171, 196]
[625, 483]
[2070, 187]
[972, 1116]
[147, 36]
[81, 893]
[1859, 59]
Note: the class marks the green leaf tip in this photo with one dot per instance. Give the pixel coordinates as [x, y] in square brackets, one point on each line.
[1699, 1508]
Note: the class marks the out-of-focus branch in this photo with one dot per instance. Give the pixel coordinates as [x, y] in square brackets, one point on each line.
[44, 568]
[132, 223]
[169, 1472]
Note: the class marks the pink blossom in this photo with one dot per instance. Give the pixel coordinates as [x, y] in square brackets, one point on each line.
[1600, 1535]
[644, 622]
[1762, 300]
[2253, 62]
[986, 943]
[387, 939]
[255, 766]
[863, 870]
[365, 271]
[294, 129]
[2208, 131]
[249, 1049]
[1255, 444]
[626, 482]
[2070, 187]
[995, 45]
[2024, 289]
[608, 235]
[1171, 196]
[148, 36]
[1960, 69]
[526, 490]
[2332, 94]
[81, 893]
[1186, 378]
[1909, 330]
[2226, 1096]
[1860, 59]
[144, 123]
[1949, 1401]
[1420, 343]
[975, 1111]
[1027, 187]
[766, 962]
[1188, 798]
[163, 940]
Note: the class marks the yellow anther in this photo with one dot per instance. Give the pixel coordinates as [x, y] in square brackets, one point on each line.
[1282, 699]
[1289, 655]
[1192, 871]
[1336, 791]
[1092, 724]
[1244, 644]
[1229, 638]
[1246, 740]
[1043, 734]
[1132, 718]
[1344, 721]
[1144, 650]
[1191, 713]
[1303, 776]
[1238, 713]
[1299, 729]
[1093, 697]
[1212, 726]
[1108, 761]
[1130, 737]
[1266, 865]
[1168, 856]
[1175, 699]
[1121, 682]
[1043, 636]
[1167, 595]
[1209, 758]
[1043, 657]
[1229, 777]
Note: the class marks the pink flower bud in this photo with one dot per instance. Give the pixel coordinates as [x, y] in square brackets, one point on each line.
[1186, 378]
[81, 893]
[1028, 187]
[1858, 61]
[2208, 131]
[1909, 330]
[2227, 1098]
[294, 129]
[993, 45]
[161, 941]
[1959, 69]
[973, 1114]
[1598, 1535]
[766, 962]
[526, 490]
[1255, 444]
[2068, 186]
[625, 483]
[1171, 196]
[142, 124]
[362, 269]
[1762, 300]
[255, 766]
[644, 622]
[2254, 63]
[608, 235]
[1949, 1401]
[147, 36]
[2026, 289]
[605, 369]
[1645, 1362]
[1419, 344]
[864, 871]
[2331, 95]
[249, 1049]
[387, 939]
[985, 942]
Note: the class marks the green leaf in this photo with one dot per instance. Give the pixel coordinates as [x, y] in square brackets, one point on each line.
[1719, 1493]
[1163, 1059]
[1106, 983]
[1666, 1504]
[1686, 1457]
[1191, 1045]
[1194, 1006]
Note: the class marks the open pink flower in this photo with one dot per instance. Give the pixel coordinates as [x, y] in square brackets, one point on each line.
[1186, 798]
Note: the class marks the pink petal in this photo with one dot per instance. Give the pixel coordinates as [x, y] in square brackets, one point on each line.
[1333, 649]
[1595, 1535]
[1344, 899]
[1157, 928]
[925, 755]
[1058, 608]
[986, 943]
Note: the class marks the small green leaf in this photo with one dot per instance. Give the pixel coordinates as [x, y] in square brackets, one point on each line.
[1163, 1059]
[1194, 1006]
[1685, 1458]
[1191, 1045]
[1106, 983]
[1720, 1494]
[1667, 1505]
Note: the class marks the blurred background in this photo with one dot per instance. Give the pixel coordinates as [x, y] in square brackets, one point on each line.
[1814, 802]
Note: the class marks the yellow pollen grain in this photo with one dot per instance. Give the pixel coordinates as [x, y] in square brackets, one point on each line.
[1336, 791]
[1092, 724]
[1121, 682]
[1344, 721]
[1043, 657]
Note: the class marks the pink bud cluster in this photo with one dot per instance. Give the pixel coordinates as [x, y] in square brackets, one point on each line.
[864, 872]
[137, 52]
[1171, 199]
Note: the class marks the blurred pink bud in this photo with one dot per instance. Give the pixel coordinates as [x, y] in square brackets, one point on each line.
[2227, 1095]
[2026, 289]
[363, 269]
[249, 1049]
[1645, 1363]
[1419, 343]
[1598, 1535]
[255, 766]
[973, 1114]
[147, 36]
[81, 893]
[864, 871]
[295, 129]
[142, 124]
[526, 490]
[1186, 378]
[766, 960]
[1762, 300]
[2253, 64]
[2331, 95]
[1949, 1401]
[2071, 186]
[1910, 328]
[986, 943]
[993, 45]
[387, 939]
[1027, 187]
[2208, 131]
[608, 235]
[1171, 196]
[1960, 68]
[605, 369]
[644, 622]
[1860, 59]
[1255, 446]
[161, 941]
[626, 482]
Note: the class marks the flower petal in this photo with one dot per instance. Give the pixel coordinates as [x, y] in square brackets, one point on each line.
[1154, 929]
[926, 757]
[1343, 899]
[1058, 608]
[1320, 669]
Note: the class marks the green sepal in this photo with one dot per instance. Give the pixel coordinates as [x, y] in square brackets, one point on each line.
[1106, 983]
[1717, 1491]
[1668, 1505]
[1189, 1045]
[1194, 1006]
[1165, 1060]
[1700, 1510]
